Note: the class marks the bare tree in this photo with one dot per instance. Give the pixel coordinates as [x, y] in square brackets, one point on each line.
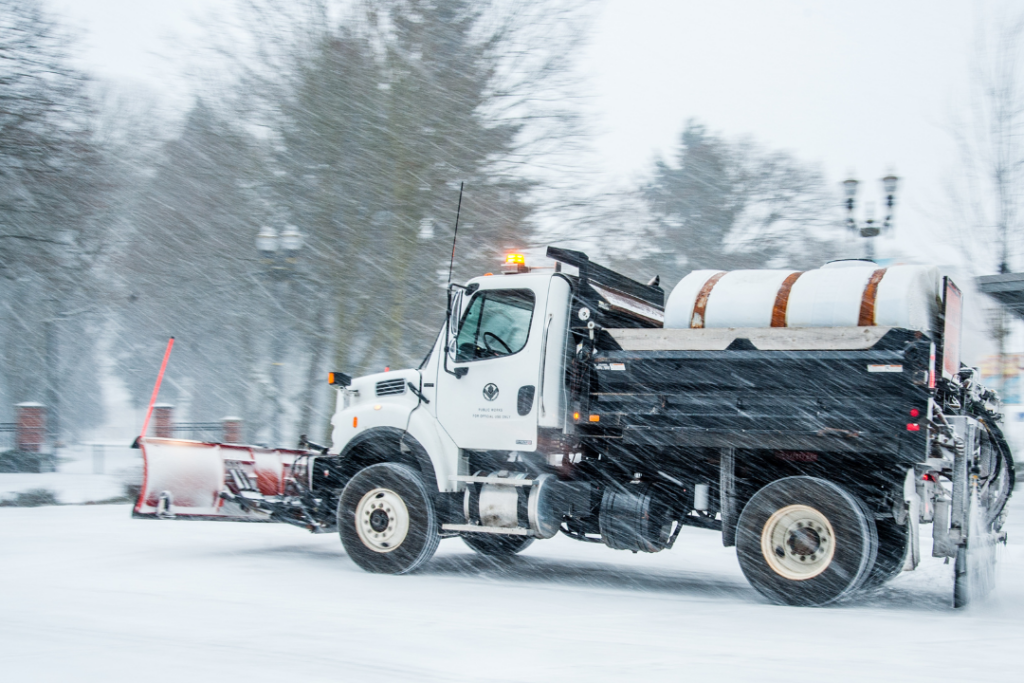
[52, 192]
[987, 186]
[985, 189]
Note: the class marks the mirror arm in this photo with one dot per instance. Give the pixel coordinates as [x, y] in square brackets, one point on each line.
[458, 372]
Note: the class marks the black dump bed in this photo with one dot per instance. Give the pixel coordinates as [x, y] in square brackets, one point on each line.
[856, 400]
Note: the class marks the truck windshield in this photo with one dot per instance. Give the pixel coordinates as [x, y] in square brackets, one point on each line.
[496, 324]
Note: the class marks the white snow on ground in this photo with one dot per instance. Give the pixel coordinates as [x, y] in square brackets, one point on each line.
[88, 594]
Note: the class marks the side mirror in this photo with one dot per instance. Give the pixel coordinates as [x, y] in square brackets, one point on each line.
[338, 379]
[455, 313]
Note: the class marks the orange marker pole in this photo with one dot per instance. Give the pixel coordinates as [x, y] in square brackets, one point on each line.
[156, 392]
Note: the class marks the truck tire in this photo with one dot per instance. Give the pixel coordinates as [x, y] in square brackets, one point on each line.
[805, 541]
[893, 545]
[496, 545]
[386, 519]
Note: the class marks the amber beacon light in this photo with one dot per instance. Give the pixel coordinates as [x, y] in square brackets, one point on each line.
[515, 263]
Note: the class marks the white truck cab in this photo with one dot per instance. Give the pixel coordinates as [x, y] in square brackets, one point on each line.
[494, 377]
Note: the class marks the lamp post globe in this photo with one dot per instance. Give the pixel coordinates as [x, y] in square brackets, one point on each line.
[291, 240]
[266, 241]
[889, 183]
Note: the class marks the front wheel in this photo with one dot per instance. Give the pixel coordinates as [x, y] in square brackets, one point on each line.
[805, 541]
[386, 519]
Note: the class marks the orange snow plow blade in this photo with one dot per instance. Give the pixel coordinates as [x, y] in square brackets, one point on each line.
[199, 480]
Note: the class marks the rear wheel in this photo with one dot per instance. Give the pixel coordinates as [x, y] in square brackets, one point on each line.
[496, 545]
[386, 519]
[805, 541]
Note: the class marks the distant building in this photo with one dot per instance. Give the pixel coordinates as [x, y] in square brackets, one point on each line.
[1013, 369]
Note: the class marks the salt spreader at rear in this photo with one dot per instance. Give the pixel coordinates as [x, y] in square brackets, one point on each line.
[816, 420]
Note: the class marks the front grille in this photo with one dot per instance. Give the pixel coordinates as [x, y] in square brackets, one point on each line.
[389, 387]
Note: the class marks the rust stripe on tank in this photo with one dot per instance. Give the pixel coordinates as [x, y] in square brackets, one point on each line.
[867, 302]
[700, 306]
[782, 300]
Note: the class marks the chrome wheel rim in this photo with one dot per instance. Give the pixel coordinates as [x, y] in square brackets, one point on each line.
[382, 520]
[798, 542]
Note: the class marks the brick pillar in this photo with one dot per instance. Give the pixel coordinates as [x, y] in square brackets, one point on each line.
[31, 434]
[231, 429]
[163, 418]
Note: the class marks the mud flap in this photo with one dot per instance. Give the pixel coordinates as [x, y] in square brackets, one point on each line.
[912, 501]
[198, 480]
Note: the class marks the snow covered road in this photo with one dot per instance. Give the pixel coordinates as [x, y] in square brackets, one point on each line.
[88, 594]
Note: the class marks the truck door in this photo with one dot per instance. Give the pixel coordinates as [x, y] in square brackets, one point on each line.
[498, 342]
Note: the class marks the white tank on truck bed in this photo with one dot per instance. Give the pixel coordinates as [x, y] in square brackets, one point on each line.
[839, 294]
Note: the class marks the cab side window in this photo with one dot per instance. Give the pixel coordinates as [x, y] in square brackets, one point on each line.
[497, 323]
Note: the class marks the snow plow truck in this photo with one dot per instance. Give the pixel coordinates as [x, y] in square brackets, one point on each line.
[816, 420]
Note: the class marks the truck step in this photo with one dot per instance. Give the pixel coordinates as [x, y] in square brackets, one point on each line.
[500, 481]
[473, 528]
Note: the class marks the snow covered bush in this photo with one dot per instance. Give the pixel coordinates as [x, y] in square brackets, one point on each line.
[32, 498]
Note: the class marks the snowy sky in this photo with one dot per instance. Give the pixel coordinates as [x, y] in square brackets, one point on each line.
[860, 87]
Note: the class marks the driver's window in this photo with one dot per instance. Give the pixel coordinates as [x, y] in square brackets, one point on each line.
[497, 323]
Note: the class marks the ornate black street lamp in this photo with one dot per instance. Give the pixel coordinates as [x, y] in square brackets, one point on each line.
[869, 228]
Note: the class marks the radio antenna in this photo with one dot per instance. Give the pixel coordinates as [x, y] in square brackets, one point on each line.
[456, 235]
